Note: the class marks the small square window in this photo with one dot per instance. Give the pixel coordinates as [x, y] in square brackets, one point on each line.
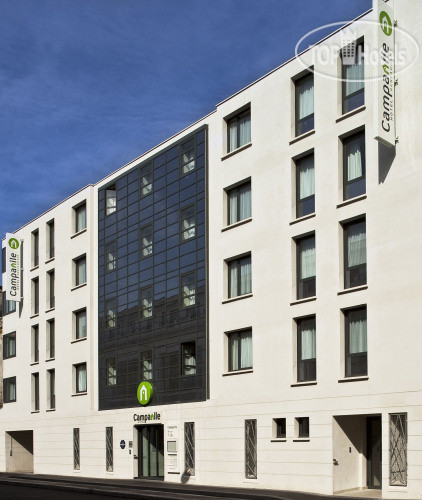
[279, 426]
[240, 276]
[187, 156]
[80, 270]
[80, 378]
[305, 186]
[188, 221]
[240, 350]
[146, 303]
[146, 365]
[302, 426]
[110, 198]
[304, 97]
[238, 130]
[188, 285]
[354, 169]
[306, 267]
[111, 372]
[188, 358]
[9, 345]
[110, 257]
[145, 236]
[146, 179]
[9, 390]
[111, 313]
[239, 203]
[79, 324]
[80, 217]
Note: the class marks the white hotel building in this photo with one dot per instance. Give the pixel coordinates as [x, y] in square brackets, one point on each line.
[240, 268]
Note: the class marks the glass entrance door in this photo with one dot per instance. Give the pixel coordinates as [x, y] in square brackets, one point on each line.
[374, 452]
[151, 452]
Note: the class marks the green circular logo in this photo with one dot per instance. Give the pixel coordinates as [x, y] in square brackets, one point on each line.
[144, 393]
[13, 243]
[385, 23]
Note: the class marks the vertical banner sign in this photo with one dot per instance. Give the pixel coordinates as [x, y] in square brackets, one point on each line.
[385, 127]
[13, 268]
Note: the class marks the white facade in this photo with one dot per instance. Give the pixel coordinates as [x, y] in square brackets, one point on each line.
[343, 409]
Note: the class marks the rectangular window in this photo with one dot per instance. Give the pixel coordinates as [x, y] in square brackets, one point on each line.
[302, 425]
[354, 253]
[240, 276]
[304, 98]
[188, 285]
[80, 378]
[305, 186]
[398, 449]
[8, 306]
[239, 130]
[110, 198]
[111, 313]
[280, 428]
[50, 239]
[190, 448]
[239, 203]
[109, 449]
[51, 340]
[188, 358]
[9, 390]
[76, 445]
[51, 300]
[306, 267]
[35, 391]
[146, 365]
[35, 286]
[80, 324]
[146, 179]
[80, 270]
[35, 248]
[355, 342]
[80, 217]
[146, 303]
[110, 257]
[145, 236]
[240, 350]
[51, 389]
[111, 372]
[306, 349]
[35, 356]
[9, 345]
[187, 156]
[250, 449]
[353, 75]
[188, 222]
[354, 183]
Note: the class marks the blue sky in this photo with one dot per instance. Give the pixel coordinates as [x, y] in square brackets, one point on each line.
[88, 85]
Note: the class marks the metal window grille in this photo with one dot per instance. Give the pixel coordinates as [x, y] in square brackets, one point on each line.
[250, 449]
[190, 448]
[109, 449]
[398, 449]
[76, 455]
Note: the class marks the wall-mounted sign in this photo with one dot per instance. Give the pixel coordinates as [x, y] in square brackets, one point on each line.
[144, 393]
[147, 417]
[13, 284]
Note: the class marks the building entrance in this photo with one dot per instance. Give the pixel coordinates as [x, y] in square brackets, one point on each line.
[19, 451]
[373, 447]
[150, 451]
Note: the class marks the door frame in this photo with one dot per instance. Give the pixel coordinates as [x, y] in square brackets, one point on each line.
[369, 456]
[139, 428]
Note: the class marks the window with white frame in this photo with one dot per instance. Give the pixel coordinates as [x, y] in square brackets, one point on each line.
[238, 130]
[240, 350]
[239, 203]
[304, 102]
[239, 276]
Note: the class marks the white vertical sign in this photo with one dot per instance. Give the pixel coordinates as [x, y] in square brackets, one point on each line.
[385, 126]
[13, 268]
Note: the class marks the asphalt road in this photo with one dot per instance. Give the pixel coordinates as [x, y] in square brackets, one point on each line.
[9, 492]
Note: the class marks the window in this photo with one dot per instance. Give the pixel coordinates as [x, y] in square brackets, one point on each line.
[353, 74]
[188, 358]
[355, 341]
[51, 389]
[354, 183]
[8, 306]
[111, 372]
[50, 292]
[9, 345]
[35, 286]
[187, 159]
[146, 180]
[240, 276]
[80, 324]
[239, 203]
[354, 253]
[50, 239]
[76, 444]
[250, 449]
[190, 448]
[35, 385]
[35, 248]
[305, 186]
[146, 303]
[80, 217]
[304, 98]
[188, 285]
[111, 313]
[279, 426]
[145, 236]
[51, 341]
[35, 356]
[146, 365]
[306, 267]
[398, 449]
[110, 256]
[240, 350]
[109, 449]
[80, 270]
[110, 197]
[306, 349]
[80, 377]
[302, 427]
[187, 216]
[239, 130]
[9, 390]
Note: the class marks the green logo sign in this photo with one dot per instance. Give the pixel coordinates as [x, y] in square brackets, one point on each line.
[144, 393]
[385, 23]
[13, 243]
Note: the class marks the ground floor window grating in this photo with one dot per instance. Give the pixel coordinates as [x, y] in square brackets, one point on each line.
[109, 449]
[398, 449]
[190, 448]
[250, 449]
[76, 456]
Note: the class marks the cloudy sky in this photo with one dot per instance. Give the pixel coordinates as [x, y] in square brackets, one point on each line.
[88, 85]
